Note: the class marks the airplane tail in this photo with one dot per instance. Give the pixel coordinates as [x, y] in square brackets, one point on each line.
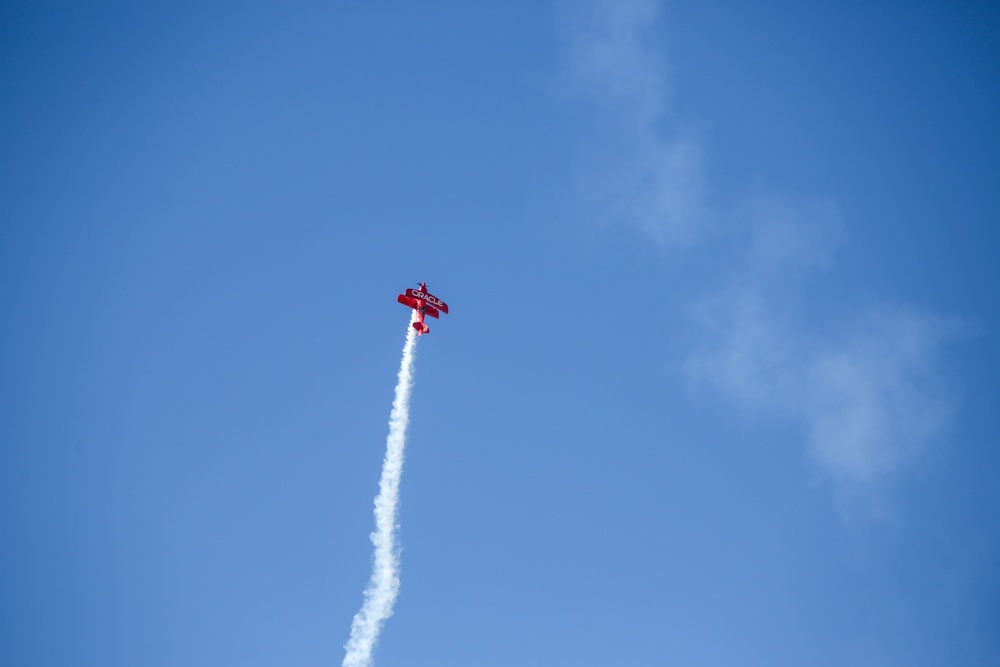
[421, 328]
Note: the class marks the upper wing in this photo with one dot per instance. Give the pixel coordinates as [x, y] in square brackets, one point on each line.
[430, 299]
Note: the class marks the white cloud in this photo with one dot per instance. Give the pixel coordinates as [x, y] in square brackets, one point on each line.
[870, 395]
[869, 390]
[874, 399]
[668, 202]
[791, 236]
[656, 183]
[870, 398]
[613, 56]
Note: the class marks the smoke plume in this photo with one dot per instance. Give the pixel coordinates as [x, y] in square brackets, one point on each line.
[383, 587]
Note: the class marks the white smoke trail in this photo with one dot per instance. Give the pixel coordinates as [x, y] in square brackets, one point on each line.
[380, 595]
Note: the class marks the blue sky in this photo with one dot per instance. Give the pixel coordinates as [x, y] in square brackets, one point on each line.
[715, 387]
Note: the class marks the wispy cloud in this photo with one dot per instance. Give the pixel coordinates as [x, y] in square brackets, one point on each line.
[613, 54]
[876, 397]
[614, 60]
[867, 380]
[870, 398]
[869, 390]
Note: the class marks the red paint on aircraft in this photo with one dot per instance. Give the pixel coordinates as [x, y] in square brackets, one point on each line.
[424, 303]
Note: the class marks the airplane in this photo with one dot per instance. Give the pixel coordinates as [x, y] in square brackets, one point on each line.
[424, 303]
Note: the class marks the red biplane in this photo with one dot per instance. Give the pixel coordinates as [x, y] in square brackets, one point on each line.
[424, 303]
